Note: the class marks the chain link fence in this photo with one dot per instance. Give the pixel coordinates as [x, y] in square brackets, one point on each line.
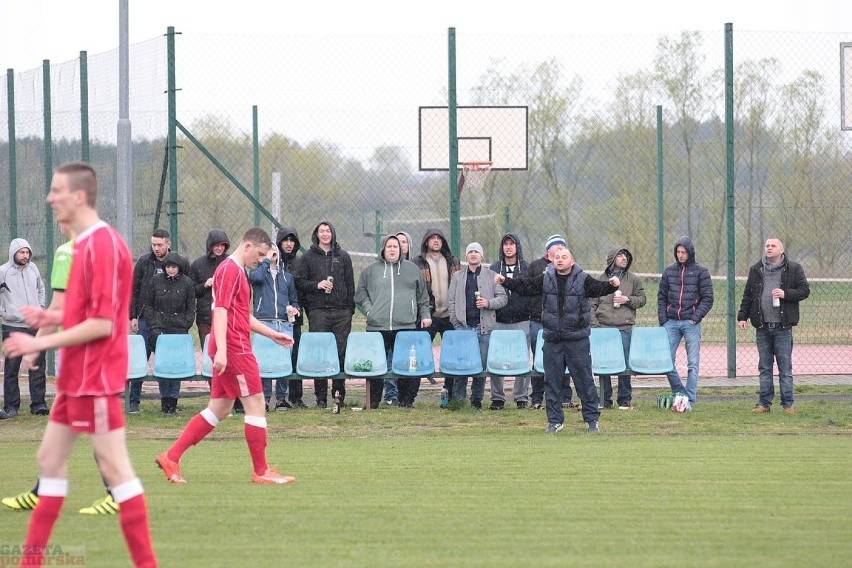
[336, 125]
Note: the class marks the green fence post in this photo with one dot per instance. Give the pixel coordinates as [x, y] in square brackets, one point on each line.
[48, 163]
[13, 175]
[378, 232]
[455, 211]
[85, 150]
[507, 224]
[660, 209]
[172, 98]
[729, 199]
[255, 162]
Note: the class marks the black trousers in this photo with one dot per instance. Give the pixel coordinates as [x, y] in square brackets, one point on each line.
[338, 322]
[11, 369]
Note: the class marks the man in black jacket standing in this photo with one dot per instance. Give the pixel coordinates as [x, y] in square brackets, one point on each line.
[287, 239]
[774, 288]
[324, 275]
[201, 271]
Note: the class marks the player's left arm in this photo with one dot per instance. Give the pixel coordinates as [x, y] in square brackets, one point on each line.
[20, 344]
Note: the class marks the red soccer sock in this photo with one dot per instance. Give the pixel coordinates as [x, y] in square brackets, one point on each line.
[195, 431]
[133, 517]
[255, 432]
[51, 496]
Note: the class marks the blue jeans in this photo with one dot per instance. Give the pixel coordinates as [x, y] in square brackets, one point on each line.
[537, 396]
[280, 384]
[477, 388]
[576, 356]
[777, 344]
[625, 388]
[691, 334]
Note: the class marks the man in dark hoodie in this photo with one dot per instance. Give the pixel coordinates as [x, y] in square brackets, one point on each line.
[288, 243]
[325, 276]
[515, 315]
[774, 288]
[201, 271]
[437, 265]
[618, 310]
[683, 300]
[148, 265]
[169, 307]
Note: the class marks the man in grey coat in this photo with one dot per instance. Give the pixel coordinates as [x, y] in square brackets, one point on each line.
[473, 301]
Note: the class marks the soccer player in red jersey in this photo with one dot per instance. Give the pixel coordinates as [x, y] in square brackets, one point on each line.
[235, 371]
[93, 344]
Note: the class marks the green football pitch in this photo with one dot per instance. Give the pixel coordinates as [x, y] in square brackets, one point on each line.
[424, 487]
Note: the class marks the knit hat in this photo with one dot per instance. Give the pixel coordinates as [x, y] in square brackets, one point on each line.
[554, 240]
[474, 246]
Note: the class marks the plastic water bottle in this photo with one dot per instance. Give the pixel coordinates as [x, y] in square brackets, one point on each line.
[445, 397]
[291, 316]
[330, 279]
[412, 358]
[617, 294]
[776, 302]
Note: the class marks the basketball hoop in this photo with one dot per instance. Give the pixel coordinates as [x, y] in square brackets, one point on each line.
[474, 175]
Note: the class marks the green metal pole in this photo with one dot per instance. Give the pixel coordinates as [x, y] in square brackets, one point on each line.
[661, 263]
[378, 231]
[48, 165]
[729, 199]
[85, 151]
[455, 210]
[172, 97]
[13, 174]
[507, 224]
[255, 152]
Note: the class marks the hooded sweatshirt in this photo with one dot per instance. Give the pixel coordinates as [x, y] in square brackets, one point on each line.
[273, 289]
[604, 312]
[169, 302]
[686, 290]
[19, 286]
[317, 264]
[203, 268]
[290, 263]
[518, 307]
[407, 255]
[438, 291]
[392, 294]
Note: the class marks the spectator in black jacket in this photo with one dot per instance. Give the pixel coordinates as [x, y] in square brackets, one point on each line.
[146, 267]
[201, 271]
[169, 307]
[324, 275]
[774, 288]
[515, 315]
[538, 266]
[683, 300]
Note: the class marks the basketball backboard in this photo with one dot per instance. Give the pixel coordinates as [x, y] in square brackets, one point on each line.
[485, 134]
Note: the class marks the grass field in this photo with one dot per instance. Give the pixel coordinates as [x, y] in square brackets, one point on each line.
[424, 487]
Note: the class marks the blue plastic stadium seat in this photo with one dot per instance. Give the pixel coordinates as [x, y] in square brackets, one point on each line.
[460, 353]
[607, 351]
[422, 343]
[317, 355]
[650, 353]
[273, 360]
[206, 361]
[174, 357]
[363, 346]
[137, 360]
[508, 353]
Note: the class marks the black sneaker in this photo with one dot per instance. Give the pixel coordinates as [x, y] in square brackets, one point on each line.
[238, 407]
[283, 405]
[593, 427]
[322, 404]
[299, 404]
[497, 405]
[40, 410]
[134, 408]
[553, 428]
[3, 415]
[521, 404]
[536, 406]
[476, 404]
[11, 412]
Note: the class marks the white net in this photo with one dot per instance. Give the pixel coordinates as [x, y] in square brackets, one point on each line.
[474, 174]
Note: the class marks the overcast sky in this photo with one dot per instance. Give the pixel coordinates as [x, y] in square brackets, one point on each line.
[34, 30]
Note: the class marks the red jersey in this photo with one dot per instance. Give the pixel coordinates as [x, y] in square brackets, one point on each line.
[232, 291]
[99, 286]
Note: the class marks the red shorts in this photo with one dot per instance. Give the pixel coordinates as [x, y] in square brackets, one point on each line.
[240, 378]
[89, 414]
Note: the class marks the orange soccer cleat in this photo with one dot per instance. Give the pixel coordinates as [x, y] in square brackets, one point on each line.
[272, 477]
[170, 468]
